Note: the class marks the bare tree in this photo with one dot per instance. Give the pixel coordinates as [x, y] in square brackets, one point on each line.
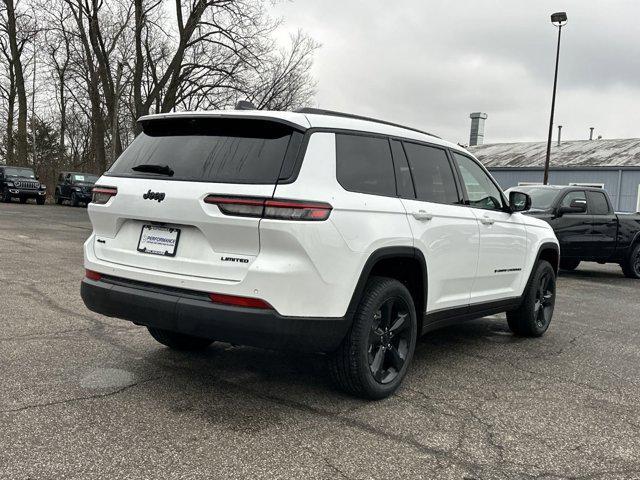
[18, 30]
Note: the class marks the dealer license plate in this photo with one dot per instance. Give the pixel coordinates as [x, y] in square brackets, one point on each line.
[159, 240]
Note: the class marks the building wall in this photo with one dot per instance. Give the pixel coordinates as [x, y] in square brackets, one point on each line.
[621, 185]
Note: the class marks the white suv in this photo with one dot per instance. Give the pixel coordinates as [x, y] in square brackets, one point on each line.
[315, 231]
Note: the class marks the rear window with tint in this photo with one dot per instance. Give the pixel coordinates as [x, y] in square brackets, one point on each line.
[209, 150]
[365, 165]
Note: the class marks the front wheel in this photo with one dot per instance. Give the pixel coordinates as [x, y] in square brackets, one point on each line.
[6, 196]
[74, 200]
[374, 357]
[631, 266]
[40, 200]
[533, 316]
[179, 341]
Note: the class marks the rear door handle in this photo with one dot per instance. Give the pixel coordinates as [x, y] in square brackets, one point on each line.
[422, 215]
[487, 220]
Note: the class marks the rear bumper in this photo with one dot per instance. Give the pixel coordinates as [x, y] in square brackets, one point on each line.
[193, 313]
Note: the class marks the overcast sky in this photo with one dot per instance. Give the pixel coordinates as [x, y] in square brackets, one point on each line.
[429, 63]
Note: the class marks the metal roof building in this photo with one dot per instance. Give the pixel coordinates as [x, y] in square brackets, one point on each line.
[611, 164]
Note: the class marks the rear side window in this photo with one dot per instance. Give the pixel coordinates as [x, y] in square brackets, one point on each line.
[598, 204]
[364, 164]
[209, 150]
[432, 174]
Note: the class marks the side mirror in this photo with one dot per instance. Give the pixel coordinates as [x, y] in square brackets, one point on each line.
[576, 206]
[519, 201]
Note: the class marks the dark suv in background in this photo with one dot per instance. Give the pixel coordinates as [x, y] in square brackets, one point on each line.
[75, 187]
[21, 183]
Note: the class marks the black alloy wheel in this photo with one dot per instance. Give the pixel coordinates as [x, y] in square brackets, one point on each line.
[631, 266]
[389, 340]
[545, 300]
[533, 317]
[376, 353]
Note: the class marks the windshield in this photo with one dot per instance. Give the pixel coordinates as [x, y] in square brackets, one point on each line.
[208, 150]
[19, 172]
[85, 177]
[541, 198]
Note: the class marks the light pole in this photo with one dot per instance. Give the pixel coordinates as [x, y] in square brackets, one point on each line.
[558, 19]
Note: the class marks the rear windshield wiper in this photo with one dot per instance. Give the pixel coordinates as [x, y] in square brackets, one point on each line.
[150, 168]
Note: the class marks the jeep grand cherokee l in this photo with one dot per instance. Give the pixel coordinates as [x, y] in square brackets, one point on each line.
[315, 231]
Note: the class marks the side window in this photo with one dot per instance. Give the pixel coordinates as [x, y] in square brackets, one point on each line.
[432, 174]
[571, 196]
[482, 192]
[364, 164]
[403, 175]
[598, 204]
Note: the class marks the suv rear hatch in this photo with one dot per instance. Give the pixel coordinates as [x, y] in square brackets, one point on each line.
[162, 181]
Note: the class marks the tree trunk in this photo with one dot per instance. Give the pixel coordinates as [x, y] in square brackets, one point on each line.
[21, 134]
[11, 105]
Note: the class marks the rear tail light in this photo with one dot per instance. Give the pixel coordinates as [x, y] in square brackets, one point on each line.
[271, 208]
[91, 275]
[101, 195]
[236, 301]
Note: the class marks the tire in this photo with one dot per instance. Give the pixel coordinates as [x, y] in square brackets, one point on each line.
[179, 341]
[40, 200]
[58, 199]
[569, 264]
[534, 315]
[631, 265]
[375, 355]
[6, 196]
[74, 200]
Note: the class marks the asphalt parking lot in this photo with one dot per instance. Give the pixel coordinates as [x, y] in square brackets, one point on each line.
[84, 396]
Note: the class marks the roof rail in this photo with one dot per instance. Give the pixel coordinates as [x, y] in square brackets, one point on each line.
[319, 111]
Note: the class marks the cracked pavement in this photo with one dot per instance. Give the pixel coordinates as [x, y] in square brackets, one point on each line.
[84, 396]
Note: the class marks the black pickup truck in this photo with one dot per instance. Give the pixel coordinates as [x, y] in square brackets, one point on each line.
[586, 226]
[21, 183]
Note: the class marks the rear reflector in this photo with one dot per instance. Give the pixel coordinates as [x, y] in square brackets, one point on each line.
[236, 301]
[101, 195]
[91, 275]
[271, 208]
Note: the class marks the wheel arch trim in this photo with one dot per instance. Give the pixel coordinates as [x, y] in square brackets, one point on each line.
[376, 256]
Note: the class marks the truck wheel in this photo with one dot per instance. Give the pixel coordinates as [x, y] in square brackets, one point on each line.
[533, 316]
[40, 200]
[374, 357]
[6, 196]
[58, 198]
[74, 200]
[569, 264]
[631, 267]
[179, 341]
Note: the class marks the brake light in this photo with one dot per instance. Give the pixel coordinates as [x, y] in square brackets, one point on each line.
[101, 195]
[237, 301]
[91, 275]
[277, 209]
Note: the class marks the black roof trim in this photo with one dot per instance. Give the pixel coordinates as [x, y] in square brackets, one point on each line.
[319, 111]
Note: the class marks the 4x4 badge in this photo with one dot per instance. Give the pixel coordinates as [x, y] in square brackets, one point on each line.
[159, 196]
